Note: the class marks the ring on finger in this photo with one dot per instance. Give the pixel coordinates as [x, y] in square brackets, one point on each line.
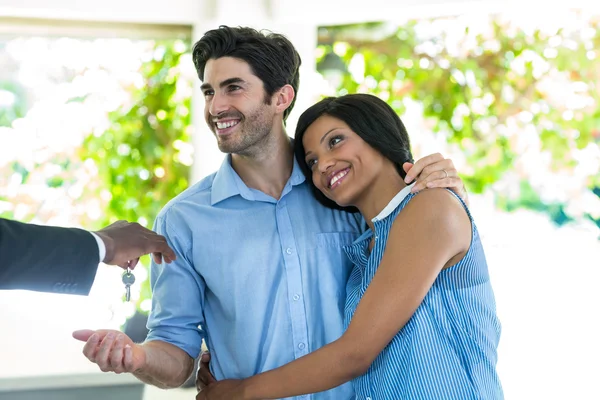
[446, 172]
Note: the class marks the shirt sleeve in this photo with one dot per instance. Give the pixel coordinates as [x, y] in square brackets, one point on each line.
[101, 246]
[177, 293]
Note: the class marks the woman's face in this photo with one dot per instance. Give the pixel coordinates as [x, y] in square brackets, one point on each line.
[343, 165]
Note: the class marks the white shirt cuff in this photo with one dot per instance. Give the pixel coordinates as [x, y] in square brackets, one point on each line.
[101, 246]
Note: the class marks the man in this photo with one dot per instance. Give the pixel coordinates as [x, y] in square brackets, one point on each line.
[260, 266]
[65, 260]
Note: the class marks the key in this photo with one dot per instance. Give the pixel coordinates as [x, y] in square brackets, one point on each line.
[128, 279]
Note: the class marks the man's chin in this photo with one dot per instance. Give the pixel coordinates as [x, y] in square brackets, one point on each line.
[227, 147]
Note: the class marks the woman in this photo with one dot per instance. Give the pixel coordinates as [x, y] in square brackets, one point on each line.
[420, 310]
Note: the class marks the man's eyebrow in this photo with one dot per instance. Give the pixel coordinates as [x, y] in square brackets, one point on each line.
[231, 81]
[224, 83]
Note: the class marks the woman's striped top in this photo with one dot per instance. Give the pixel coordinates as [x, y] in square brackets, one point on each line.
[448, 348]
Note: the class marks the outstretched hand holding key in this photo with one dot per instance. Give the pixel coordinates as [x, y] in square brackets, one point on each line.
[126, 242]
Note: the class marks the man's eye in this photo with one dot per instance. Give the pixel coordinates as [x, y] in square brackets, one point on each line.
[233, 88]
[208, 93]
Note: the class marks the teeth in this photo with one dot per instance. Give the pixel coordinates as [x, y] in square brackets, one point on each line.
[228, 124]
[337, 177]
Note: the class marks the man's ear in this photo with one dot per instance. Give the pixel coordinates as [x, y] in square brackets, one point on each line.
[284, 97]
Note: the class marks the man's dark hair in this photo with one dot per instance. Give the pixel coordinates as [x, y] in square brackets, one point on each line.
[370, 118]
[271, 56]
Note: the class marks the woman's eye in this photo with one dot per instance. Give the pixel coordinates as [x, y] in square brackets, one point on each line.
[311, 163]
[334, 140]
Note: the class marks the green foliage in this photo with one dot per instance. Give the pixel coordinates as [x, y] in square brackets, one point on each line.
[13, 95]
[486, 92]
[530, 199]
[141, 158]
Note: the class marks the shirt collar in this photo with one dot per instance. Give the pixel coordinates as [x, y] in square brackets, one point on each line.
[227, 182]
[297, 174]
[395, 202]
[224, 185]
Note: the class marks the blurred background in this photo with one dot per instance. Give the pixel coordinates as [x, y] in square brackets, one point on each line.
[101, 119]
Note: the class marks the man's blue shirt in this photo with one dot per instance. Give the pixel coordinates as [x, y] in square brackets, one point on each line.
[261, 280]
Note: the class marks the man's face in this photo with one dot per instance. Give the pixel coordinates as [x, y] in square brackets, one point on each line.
[236, 108]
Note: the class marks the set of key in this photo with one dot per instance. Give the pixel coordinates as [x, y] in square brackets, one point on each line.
[128, 279]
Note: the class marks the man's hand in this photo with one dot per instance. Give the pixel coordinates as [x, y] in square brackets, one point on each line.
[435, 171]
[228, 389]
[204, 377]
[126, 242]
[112, 350]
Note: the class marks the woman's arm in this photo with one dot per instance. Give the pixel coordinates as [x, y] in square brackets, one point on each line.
[431, 233]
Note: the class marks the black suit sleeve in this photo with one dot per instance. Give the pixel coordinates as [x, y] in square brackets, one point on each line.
[46, 258]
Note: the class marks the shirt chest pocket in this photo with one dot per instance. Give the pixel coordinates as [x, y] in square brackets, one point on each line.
[330, 257]
[335, 239]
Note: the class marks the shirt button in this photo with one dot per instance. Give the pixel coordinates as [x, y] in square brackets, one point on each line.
[301, 346]
[368, 398]
[296, 297]
[288, 250]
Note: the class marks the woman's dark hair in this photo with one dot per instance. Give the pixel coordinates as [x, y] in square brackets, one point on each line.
[370, 118]
[271, 57]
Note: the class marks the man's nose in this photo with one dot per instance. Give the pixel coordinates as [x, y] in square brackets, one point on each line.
[217, 105]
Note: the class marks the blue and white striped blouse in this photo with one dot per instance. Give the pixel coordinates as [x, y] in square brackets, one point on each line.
[447, 350]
